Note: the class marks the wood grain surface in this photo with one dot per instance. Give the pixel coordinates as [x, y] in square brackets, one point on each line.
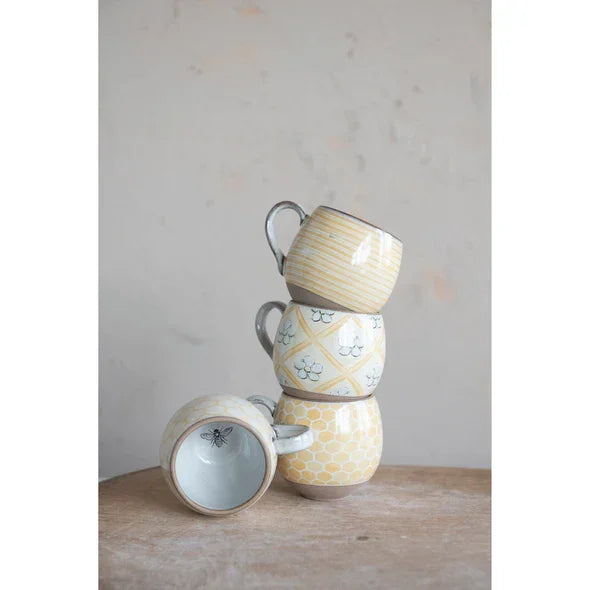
[409, 527]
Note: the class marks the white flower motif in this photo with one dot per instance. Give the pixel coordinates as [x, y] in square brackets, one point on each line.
[355, 350]
[286, 332]
[373, 377]
[321, 314]
[342, 392]
[377, 322]
[307, 368]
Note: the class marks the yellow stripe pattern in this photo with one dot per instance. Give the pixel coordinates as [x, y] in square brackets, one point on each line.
[344, 260]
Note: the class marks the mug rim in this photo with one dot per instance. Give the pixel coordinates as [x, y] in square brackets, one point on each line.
[362, 221]
[211, 511]
[350, 312]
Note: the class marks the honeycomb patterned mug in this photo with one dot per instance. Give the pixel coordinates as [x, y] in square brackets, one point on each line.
[323, 354]
[348, 440]
[336, 260]
[219, 453]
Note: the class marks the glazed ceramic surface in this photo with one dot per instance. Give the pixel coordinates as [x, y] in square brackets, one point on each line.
[330, 354]
[348, 439]
[219, 453]
[337, 261]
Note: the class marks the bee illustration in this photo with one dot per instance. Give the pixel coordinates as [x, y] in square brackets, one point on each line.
[217, 436]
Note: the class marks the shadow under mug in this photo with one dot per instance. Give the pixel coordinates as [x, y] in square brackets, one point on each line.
[348, 440]
[337, 261]
[219, 453]
[321, 354]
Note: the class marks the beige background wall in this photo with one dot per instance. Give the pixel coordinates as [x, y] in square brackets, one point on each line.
[210, 112]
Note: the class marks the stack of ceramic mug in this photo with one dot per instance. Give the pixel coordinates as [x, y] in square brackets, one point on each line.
[329, 348]
[219, 453]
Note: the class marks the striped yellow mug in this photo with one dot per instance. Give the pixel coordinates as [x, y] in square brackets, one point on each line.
[337, 261]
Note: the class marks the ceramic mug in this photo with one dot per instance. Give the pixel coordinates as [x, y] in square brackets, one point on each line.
[219, 453]
[324, 354]
[337, 261]
[348, 439]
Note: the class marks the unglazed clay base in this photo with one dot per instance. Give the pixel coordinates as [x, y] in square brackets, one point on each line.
[301, 295]
[321, 397]
[326, 493]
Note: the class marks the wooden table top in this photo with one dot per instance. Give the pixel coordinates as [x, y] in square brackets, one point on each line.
[409, 527]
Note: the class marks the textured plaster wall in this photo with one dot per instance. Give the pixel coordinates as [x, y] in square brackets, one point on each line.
[210, 112]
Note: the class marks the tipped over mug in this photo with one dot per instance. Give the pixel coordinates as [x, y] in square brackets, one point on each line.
[219, 453]
[348, 440]
[322, 354]
[337, 261]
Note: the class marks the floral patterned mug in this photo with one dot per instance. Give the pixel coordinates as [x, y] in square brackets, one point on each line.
[219, 453]
[323, 354]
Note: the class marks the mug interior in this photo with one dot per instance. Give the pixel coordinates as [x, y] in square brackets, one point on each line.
[219, 465]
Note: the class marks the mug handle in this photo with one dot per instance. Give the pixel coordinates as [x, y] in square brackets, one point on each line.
[270, 229]
[289, 438]
[260, 323]
[262, 400]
